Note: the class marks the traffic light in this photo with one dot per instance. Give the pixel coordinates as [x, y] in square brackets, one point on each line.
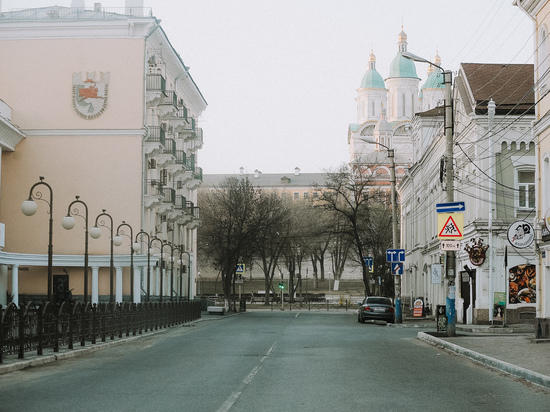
[281, 285]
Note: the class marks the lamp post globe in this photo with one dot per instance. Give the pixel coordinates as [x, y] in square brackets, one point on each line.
[29, 207]
[95, 232]
[136, 246]
[117, 240]
[68, 222]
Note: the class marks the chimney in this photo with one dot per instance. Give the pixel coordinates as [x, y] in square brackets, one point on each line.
[241, 170]
[257, 174]
[97, 6]
[297, 171]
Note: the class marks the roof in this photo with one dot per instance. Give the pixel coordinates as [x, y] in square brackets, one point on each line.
[401, 67]
[372, 79]
[59, 12]
[434, 81]
[268, 180]
[509, 85]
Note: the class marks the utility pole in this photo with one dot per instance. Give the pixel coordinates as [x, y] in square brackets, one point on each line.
[450, 278]
[395, 238]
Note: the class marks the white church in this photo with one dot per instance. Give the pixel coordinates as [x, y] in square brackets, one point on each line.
[385, 109]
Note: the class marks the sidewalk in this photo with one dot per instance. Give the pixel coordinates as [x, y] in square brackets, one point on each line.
[513, 350]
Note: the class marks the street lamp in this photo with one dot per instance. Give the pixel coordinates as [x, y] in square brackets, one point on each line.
[29, 208]
[95, 233]
[395, 236]
[134, 247]
[141, 233]
[68, 223]
[188, 273]
[172, 248]
[162, 244]
[449, 181]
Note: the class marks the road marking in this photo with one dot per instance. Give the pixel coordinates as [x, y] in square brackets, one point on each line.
[235, 395]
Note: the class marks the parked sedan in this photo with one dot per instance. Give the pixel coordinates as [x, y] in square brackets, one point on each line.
[376, 308]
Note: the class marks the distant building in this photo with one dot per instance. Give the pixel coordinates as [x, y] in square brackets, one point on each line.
[105, 109]
[295, 185]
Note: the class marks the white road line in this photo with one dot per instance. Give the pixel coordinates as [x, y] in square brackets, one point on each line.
[235, 395]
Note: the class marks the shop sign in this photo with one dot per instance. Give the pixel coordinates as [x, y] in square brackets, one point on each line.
[521, 234]
[418, 308]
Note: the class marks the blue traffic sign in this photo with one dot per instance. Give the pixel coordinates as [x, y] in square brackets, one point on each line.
[396, 268]
[395, 255]
[368, 261]
[450, 207]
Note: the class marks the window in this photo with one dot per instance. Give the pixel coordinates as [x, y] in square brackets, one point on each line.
[526, 189]
[306, 195]
[296, 196]
[373, 110]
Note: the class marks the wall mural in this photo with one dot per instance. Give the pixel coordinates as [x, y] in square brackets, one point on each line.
[522, 284]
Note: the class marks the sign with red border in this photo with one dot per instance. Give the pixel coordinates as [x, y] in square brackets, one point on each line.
[450, 225]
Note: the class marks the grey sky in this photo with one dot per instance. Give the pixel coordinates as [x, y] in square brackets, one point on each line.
[280, 76]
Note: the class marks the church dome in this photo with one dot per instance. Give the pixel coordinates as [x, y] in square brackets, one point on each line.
[402, 67]
[435, 76]
[372, 79]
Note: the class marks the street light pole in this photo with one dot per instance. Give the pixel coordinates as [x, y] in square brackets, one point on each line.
[95, 233]
[162, 244]
[395, 233]
[29, 208]
[449, 181]
[133, 248]
[188, 272]
[141, 233]
[68, 223]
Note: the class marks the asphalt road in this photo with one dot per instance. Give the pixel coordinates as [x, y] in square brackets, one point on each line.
[270, 361]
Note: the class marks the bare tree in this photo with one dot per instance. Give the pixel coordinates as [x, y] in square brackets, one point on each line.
[235, 215]
[351, 196]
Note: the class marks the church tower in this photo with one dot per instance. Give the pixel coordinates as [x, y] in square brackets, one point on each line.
[371, 94]
[402, 85]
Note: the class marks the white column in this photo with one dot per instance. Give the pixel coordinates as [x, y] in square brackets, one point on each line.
[95, 285]
[137, 284]
[15, 283]
[156, 272]
[3, 284]
[118, 284]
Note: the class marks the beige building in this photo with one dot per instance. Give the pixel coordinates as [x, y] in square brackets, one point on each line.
[539, 12]
[99, 104]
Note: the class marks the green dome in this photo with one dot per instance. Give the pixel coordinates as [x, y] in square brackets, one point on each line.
[372, 79]
[434, 81]
[402, 67]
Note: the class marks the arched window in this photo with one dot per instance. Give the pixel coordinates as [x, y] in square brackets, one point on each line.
[543, 57]
[404, 105]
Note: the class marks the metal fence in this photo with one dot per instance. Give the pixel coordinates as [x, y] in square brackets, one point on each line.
[314, 305]
[33, 328]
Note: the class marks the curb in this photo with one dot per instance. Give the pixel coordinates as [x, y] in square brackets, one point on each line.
[502, 366]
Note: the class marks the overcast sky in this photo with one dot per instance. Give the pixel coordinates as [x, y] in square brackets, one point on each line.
[280, 76]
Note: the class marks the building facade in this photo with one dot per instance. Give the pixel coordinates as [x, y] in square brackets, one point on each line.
[538, 11]
[106, 111]
[494, 175]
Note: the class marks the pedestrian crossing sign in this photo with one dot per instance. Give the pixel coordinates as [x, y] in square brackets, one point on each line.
[450, 225]
[240, 269]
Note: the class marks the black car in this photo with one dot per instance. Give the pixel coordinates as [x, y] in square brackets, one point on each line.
[376, 308]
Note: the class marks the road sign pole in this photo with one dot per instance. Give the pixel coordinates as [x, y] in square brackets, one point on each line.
[450, 261]
[395, 238]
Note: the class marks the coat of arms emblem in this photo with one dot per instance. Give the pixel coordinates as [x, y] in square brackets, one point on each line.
[90, 93]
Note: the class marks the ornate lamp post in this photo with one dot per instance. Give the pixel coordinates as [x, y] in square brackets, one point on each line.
[95, 233]
[133, 248]
[188, 272]
[68, 223]
[144, 233]
[162, 244]
[29, 208]
[172, 248]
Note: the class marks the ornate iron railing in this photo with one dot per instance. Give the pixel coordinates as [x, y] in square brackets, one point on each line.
[33, 328]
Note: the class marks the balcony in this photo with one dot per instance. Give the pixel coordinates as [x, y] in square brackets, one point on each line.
[156, 89]
[153, 195]
[197, 179]
[178, 120]
[196, 140]
[167, 155]
[155, 141]
[195, 221]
